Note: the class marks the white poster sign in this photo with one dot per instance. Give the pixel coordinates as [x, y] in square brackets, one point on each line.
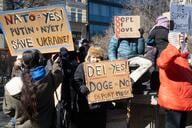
[182, 17]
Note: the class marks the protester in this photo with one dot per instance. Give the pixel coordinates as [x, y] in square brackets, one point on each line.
[89, 116]
[12, 105]
[16, 71]
[131, 49]
[69, 65]
[35, 93]
[83, 50]
[175, 92]
[156, 42]
[125, 48]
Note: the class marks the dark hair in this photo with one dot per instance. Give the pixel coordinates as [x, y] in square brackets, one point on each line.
[31, 59]
[85, 42]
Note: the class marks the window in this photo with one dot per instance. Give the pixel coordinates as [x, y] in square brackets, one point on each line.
[79, 15]
[94, 8]
[97, 29]
[104, 10]
[117, 11]
[73, 14]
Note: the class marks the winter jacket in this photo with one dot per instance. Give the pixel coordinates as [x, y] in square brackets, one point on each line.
[82, 102]
[45, 89]
[45, 100]
[160, 35]
[89, 115]
[79, 80]
[175, 80]
[125, 48]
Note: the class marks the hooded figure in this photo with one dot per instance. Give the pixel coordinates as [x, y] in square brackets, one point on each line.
[88, 114]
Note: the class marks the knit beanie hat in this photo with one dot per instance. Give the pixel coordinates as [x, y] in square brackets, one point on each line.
[162, 21]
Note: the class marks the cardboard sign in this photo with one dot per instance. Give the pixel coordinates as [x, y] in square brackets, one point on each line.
[181, 1]
[45, 28]
[182, 17]
[108, 81]
[127, 26]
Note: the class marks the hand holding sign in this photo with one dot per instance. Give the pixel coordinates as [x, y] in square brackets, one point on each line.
[84, 90]
[176, 39]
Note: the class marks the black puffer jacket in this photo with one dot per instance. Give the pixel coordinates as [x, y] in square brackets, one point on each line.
[160, 34]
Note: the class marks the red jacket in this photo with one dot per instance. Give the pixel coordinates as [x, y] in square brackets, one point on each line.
[176, 80]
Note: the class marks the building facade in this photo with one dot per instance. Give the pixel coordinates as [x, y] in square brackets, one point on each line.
[101, 13]
[77, 16]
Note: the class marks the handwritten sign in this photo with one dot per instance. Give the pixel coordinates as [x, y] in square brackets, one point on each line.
[182, 17]
[46, 28]
[127, 26]
[108, 81]
[181, 1]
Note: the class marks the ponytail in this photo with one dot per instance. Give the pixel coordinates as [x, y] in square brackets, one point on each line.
[29, 96]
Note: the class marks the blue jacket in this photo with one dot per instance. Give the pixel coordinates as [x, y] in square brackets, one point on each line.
[125, 48]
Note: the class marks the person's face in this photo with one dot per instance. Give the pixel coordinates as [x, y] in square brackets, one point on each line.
[95, 59]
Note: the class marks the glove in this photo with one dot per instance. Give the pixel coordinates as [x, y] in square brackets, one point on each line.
[64, 55]
[84, 90]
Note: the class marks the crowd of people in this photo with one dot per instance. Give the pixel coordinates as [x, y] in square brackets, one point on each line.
[29, 95]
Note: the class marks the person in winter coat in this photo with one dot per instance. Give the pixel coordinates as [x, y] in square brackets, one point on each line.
[159, 33]
[175, 92]
[83, 50]
[16, 72]
[37, 86]
[88, 116]
[12, 105]
[157, 39]
[156, 42]
[133, 50]
[126, 47]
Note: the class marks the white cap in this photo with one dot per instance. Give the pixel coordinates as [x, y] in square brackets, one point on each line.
[14, 85]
